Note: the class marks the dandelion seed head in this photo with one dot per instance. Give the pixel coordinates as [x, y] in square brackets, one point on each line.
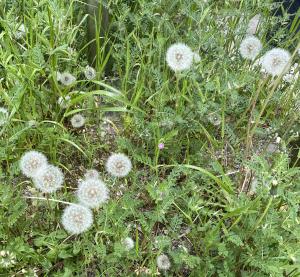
[128, 243]
[163, 262]
[179, 57]
[77, 120]
[250, 47]
[67, 79]
[276, 61]
[49, 179]
[3, 116]
[92, 174]
[92, 193]
[77, 219]
[89, 72]
[7, 259]
[31, 162]
[118, 165]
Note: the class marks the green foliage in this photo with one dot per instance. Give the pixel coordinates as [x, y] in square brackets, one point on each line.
[218, 199]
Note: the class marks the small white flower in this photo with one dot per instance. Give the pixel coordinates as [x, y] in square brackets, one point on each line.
[118, 165]
[179, 57]
[253, 24]
[64, 101]
[196, 57]
[77, 219]
[276, 61]
[3, 116]
[21, 32]
[92, 174]
[77, 120]
[67, 79]
[49, 179]
[31, 162]
[128, 243]
[163, 262]
[250, 47]
[92, 193]
[89, 73]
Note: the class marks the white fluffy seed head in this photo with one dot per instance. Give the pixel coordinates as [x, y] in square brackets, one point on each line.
[250, 47]
[64, 101]
[77, 219]
[128, 243]
[163, 262]
[118, 165]
[49, 179]
[92, 193]
[179, 57]
[276, 61]
[77, 120]
[3, 116]
[89, 72]
[67, 79]
[92, 174]
[31, 162]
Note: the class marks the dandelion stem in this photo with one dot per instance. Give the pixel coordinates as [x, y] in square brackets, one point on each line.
[50, 199]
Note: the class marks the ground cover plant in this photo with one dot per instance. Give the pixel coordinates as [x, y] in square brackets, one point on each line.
[173, 152]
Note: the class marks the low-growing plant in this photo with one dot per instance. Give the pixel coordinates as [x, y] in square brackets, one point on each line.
[181, 160]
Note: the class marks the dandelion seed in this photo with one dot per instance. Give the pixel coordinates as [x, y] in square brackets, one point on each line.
[250, 47]
[49, 179]
[67, 79]
[7, 258]
[163, 262]
[92, 193]
[77, 219]
[196, 57]
[253, 24]
[179, 57]
[21, 32]
[128, 243]
[31, 162]
[3, 116]
[276, 61]
[90, 73]
[118, 165]
[64, 101]
[92, 174]
[77, 121]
